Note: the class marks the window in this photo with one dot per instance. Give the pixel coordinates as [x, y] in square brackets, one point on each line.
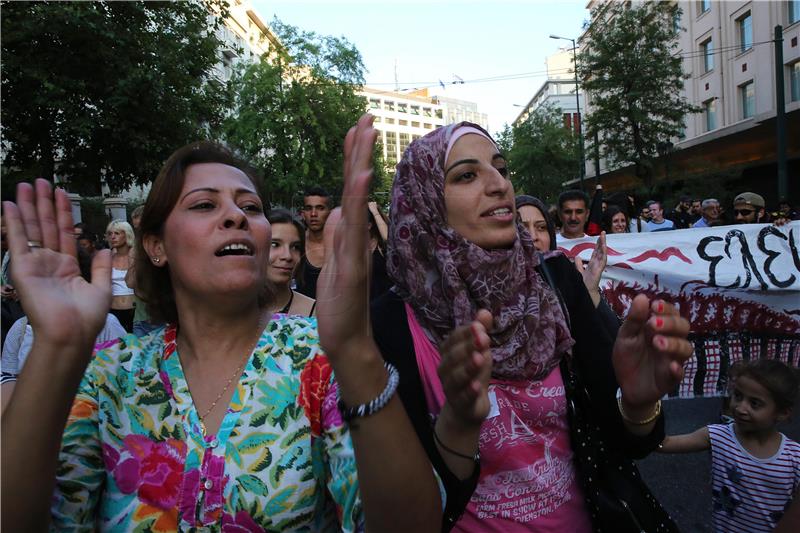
[707, 47]
[402, 108]
[747, 97]
[427, 126]
[710, 112]
[388, 105]
[438, 113]
[676, 22]
[391, 141]
[374, 103]
[415, 137]
[426, 111]
[793, 7]
[415, 110]
[402, 122]
[794, 82]
[703, 6]
[414, 124]
[405, 140]
[389, 120]
[744, 25]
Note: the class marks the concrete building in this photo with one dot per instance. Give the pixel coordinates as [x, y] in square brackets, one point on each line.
[557, 91]
[456, 110]
[246, 36]
[401, 117]
[728, 50]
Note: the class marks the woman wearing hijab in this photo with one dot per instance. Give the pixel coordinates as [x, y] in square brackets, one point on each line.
[476, 306]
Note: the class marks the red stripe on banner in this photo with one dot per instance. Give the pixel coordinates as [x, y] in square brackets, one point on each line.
[661, 256]
[578, 248]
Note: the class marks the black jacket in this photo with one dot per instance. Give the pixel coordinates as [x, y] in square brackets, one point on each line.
[591, 360]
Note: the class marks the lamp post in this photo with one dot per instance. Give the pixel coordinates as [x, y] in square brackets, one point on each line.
[581, 168]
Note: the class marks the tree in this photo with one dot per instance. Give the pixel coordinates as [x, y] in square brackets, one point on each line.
[292, 110]
[542, 153]
[632, 71]
[105, 89]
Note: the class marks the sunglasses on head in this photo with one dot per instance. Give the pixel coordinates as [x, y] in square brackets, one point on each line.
[743, 212]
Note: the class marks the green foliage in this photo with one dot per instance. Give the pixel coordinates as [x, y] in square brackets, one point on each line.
[105, 88]
[632, 70]
[541, 153]
[291, 114]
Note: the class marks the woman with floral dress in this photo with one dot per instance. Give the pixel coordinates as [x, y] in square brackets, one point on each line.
[223, 419]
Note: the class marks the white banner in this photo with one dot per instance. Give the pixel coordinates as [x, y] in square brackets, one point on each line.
[739, 286]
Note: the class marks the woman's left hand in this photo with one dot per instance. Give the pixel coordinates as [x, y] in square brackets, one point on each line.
[592, 271]
[649, 353]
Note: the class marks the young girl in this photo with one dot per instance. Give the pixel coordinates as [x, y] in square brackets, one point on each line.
[755, 469]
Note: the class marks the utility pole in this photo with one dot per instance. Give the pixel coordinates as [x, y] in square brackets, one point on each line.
[780, 115]
[579, 125]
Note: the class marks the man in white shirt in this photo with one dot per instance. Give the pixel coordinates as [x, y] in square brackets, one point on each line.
[657, 220]
[573, 210]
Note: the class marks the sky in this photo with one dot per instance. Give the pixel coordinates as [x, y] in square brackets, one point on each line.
[445, 40]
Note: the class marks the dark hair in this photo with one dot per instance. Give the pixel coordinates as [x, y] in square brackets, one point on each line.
[780, 380]
[89, 236]
[282, 216]
[153, 284]
[571, 195]
[524, 199]
[85, 264]
[316, 190]
[608, 216]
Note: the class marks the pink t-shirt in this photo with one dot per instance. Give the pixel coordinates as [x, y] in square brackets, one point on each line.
[528, 479]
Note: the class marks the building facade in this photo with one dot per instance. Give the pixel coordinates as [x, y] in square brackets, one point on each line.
[246, 37]
[401, 117]
[456, 110]
[729, 55]
[557, 91]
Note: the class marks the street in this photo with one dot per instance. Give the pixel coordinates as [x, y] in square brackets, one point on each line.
[682, 482]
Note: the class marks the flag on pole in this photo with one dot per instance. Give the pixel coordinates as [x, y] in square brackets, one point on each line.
[595, 223]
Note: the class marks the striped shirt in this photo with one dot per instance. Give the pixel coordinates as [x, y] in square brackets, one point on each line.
[750, 494]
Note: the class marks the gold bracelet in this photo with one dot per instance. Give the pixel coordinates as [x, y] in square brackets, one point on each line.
[644, 422]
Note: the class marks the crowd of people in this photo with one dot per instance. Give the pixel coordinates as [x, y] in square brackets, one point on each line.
[228, 367]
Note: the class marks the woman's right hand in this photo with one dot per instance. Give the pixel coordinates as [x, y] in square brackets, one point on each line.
[62, 307]
[465, 369]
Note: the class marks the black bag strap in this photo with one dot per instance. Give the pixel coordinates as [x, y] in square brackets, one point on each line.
[544, 270]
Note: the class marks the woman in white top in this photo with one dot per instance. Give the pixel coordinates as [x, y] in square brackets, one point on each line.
[120, 239]
[286, 248]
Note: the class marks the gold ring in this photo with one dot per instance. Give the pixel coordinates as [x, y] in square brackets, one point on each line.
[34, 244]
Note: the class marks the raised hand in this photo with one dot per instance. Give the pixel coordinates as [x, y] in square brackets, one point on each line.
[342, 289]
[592, 271]
[649, 352]
[62, 307]
[465, 369]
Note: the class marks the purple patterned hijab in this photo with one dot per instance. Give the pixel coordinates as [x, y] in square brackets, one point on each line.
[446, 278]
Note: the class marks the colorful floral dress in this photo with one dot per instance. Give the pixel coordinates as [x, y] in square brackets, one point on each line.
[134, 458]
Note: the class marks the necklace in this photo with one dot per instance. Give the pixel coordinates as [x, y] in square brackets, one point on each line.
[236, 374]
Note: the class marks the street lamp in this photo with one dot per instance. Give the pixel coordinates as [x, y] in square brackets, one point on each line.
[581, 169]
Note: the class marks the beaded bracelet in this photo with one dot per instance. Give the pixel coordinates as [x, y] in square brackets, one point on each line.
[377, 403]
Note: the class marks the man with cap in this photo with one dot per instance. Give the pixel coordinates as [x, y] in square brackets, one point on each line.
[748, 208]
